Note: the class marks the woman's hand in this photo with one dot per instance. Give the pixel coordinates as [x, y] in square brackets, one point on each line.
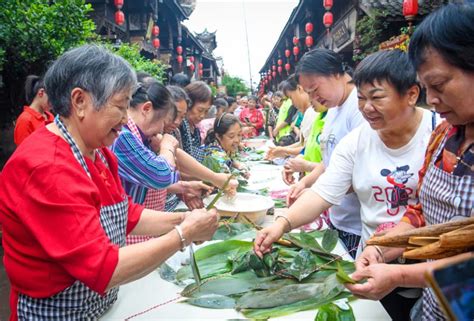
[297, 164]
[220, 180]
[200, 225]
[195, 188]
[169, 142]
[288, 177]
[369, 256]
[267, 236]
[381, 280]
[275, 152]
[193, 202]
[295, 191]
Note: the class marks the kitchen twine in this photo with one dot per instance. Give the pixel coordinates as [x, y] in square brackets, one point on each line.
[218, 277]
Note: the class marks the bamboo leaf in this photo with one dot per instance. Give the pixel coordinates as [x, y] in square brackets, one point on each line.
[342, 276]
[332, 312]
[330, 239]
[212, 301]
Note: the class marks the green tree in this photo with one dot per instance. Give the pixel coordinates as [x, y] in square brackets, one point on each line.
[234, 85]
[131, 53]
[35, 32]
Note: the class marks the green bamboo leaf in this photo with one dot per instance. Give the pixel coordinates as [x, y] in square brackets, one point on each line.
[332, 312]
[305, 245]
[212, 301]
[330, 239]
[342, 276]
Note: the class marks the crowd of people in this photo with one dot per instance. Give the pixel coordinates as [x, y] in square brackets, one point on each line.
[94, 207]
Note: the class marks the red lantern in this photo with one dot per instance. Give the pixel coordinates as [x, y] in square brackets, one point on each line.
[274, 67]
[179, 50]
[309, 41]
[410, 8]
[308, 27]
[119, 17]
[280, 69]
[155, 31]
[287, 53]
[118, 4]
[274, 74]
[328, 19]
[200, 66]
[295, 40]
[269, 77]
[191, 59]
[192, 67]
[179, 59]
[287, 67]
[200, 72]
[156, 43]
[280, 62]
[296, 50]
[327, 4]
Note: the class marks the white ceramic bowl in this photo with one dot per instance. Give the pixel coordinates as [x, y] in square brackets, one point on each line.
[253, 206]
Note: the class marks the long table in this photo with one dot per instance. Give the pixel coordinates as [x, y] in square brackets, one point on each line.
[163, 299]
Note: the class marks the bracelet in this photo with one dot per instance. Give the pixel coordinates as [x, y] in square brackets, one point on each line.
[379, 250]
[181, 237]
[287, 221]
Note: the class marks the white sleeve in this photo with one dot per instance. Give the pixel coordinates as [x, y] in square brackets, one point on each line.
[334, 183]
[355, 120]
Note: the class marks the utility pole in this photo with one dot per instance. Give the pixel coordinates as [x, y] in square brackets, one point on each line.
[248, 47]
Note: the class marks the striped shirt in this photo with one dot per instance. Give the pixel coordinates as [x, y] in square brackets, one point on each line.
[139, 167]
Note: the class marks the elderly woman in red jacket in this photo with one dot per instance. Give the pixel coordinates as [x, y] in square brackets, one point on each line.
[64, 212]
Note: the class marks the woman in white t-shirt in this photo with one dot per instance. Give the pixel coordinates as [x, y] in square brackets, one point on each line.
[379, 160]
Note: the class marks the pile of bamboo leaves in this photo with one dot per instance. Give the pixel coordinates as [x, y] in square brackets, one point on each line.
[432, 242]
[299, 274]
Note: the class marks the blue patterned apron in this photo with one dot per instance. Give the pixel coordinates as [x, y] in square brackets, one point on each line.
[444, 197]
[78, 302]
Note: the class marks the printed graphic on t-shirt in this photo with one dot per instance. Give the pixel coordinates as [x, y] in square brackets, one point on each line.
[397, 194]
[329, 142]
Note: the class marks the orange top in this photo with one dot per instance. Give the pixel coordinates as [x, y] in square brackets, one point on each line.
[29, 121]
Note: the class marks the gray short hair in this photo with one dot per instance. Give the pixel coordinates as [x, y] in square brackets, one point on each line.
[92, 68]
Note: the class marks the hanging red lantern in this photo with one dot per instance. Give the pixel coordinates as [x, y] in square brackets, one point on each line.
[296, 50]
[410, 8]
[119, 17]
[118, 4]
[155, 31]
[280, 62]
[179, 50]
[280, 69]
[327, 4]
[287, 67]
[309, 41]
[191, 59]
[192, 67]
[274, 67]
[308, 27]
[156, 43]
[200, 72]
[179, 59]
[328, 19]
[295, 40]
[274, 74]
[200, 66]
[269, 77]
[287, 53]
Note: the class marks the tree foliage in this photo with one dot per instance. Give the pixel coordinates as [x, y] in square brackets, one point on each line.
[131, 53]
[234, 85]
[33, 33]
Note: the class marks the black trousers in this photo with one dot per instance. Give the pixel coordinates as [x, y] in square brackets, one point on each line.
[397, 306]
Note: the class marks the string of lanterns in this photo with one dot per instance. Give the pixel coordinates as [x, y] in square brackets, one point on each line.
[119, 15]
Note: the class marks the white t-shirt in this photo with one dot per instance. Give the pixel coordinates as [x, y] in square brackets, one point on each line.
[338, 122]
[383, 179]
[307, 123]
